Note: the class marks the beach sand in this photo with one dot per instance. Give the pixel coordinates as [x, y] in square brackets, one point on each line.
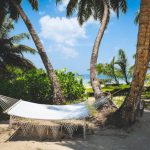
[137, 138]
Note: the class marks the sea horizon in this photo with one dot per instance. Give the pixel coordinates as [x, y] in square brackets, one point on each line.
[86, 78]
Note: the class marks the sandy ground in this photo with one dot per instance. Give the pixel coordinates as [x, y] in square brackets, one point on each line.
[137, 138]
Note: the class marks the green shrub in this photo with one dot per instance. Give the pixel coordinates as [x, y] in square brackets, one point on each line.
[35, 86]
[71, 84]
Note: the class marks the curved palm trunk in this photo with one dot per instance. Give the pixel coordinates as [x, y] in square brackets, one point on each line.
[93, 74]
[58, 97]
[141, 65]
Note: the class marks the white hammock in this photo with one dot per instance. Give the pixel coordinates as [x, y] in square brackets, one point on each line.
[56, 113]
[48, 112]
[24, 109]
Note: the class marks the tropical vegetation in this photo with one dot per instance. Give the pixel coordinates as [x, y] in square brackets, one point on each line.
[117, 70]
[35, 86]
[14, 9]
[11, 49]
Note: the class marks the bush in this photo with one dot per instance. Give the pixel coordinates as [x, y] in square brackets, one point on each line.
[71, 84]
[35, 86]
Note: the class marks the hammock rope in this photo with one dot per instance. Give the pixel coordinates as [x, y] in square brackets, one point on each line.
[7, 102]
[46, 119]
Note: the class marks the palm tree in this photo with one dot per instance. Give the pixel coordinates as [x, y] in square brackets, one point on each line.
[11, 53]
[129, 107]
[108, 69]
[113, 70]
[13, 7]
[122, 62]
[100, 10]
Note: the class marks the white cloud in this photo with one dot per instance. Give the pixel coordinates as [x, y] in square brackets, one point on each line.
[62, 32]
[63, 5]
[65, 51]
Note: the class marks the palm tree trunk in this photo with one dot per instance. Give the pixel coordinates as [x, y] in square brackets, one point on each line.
[141, 65]
[57, 94]
[116, 80]
[126, 77]
[93, 74]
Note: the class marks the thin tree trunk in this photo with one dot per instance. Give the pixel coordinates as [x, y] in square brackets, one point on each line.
[141, 65]
[125, 76]
[116, 80]
[93, 73]
[57, 92]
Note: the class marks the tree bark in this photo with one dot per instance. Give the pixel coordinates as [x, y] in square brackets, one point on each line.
[57, 92]
[93, 73]
[141, 65]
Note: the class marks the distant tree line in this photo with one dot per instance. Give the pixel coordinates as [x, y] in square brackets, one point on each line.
[118, 69]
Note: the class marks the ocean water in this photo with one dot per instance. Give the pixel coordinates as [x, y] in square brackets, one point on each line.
[86, 78]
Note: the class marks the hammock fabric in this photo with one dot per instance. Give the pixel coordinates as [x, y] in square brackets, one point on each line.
[30, 110]
[60, 114]
[48, 112]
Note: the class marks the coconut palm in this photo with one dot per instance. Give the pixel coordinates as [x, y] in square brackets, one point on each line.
[113, 70]
[123, 64]
[11, 52]
[129, 107]
[13, 7]
[109, 70]
[99, 10]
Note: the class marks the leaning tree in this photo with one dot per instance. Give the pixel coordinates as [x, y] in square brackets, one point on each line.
[99, 10]
[128, 110]
[14, 9]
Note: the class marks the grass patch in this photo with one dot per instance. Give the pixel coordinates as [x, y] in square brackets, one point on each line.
[110, 88]
[89, 90]
[118, 100]
[75, 101]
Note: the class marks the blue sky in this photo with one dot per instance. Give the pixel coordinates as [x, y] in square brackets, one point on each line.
[68, 45]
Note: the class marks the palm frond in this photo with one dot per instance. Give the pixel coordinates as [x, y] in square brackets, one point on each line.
[81, 11]
[72, 6]
[12, 54]
[99, 9]
[22, 48]
[18, 61]
[58, 2]
[117, 5]
[3, 12]
[14, 14]
[6, 27]
[19, 37]
[34, 4]
[86, 9]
